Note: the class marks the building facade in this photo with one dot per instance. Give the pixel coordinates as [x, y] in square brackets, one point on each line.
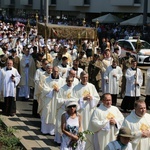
[72, 8]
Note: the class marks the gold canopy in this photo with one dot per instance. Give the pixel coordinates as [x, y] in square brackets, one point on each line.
[66, 32]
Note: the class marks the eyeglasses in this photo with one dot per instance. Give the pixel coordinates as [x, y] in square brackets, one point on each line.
[69, 80]
[72, 106]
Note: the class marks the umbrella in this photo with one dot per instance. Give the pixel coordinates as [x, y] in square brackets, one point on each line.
[109, 18]
[135, 21]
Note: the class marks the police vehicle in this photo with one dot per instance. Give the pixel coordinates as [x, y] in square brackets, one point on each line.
[140, 49]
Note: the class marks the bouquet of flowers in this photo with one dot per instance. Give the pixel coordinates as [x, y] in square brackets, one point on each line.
[81, 135]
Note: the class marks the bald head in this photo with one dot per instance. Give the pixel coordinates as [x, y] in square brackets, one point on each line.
[9, 63]
[55, 71]
[72, 73]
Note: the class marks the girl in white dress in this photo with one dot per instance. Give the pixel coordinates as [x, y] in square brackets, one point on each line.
[71, 126]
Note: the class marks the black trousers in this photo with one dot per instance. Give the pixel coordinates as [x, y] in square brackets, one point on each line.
[128, 103]
[35, 108]
[9, 106]
[114, 99]
[2, 106]
[147, 101]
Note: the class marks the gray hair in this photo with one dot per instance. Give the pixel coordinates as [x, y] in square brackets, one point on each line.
[83, 73]
[49, 65]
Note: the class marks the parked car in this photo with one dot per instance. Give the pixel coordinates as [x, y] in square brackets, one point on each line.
[130, 45]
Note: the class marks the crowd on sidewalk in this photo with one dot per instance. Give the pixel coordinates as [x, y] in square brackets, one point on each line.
[67, 82]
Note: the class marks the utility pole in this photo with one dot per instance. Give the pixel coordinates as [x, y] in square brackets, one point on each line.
[46, 10]
[41, 10]
[145, 12]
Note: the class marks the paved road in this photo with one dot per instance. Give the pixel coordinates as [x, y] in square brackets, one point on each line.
[32, 125]
[29, 127]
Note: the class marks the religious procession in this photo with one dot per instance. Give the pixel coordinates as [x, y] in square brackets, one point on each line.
[75, 78]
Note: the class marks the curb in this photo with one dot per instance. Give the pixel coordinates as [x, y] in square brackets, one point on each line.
[28, 139]
[4, 122]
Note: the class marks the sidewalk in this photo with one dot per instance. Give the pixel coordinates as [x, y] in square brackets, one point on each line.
[28, 127]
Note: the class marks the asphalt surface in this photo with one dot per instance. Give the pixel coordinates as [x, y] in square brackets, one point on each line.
[29, 127]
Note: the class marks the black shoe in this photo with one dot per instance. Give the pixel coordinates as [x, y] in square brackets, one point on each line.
[36, 115]
[13, 114]
[26, 99]
[128, 111]
[123, 110]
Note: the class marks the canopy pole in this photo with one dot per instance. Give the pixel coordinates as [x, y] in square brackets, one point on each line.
[46, 37]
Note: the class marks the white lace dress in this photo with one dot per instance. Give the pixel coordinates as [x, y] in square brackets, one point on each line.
[72, 125]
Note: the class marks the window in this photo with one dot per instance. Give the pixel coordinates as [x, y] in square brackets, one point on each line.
[53, 2]
[127, 46]
[30, 2]
[144, 45]
[137, 1]
[87, 2]
[12, 2]
[120, 43]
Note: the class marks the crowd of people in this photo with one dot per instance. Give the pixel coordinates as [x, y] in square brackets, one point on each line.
[75, 90]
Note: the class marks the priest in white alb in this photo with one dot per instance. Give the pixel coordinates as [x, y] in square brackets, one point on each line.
[50, 91]
[105, 123]
[139, 123]
[39, 72]
[87, 97]
[72, 73]
[40, 85]
[64, 95]
[27, 72]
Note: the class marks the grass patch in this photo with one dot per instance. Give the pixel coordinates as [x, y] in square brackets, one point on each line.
[7, 139]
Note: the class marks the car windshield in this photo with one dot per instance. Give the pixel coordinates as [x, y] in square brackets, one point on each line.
[144, 45]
